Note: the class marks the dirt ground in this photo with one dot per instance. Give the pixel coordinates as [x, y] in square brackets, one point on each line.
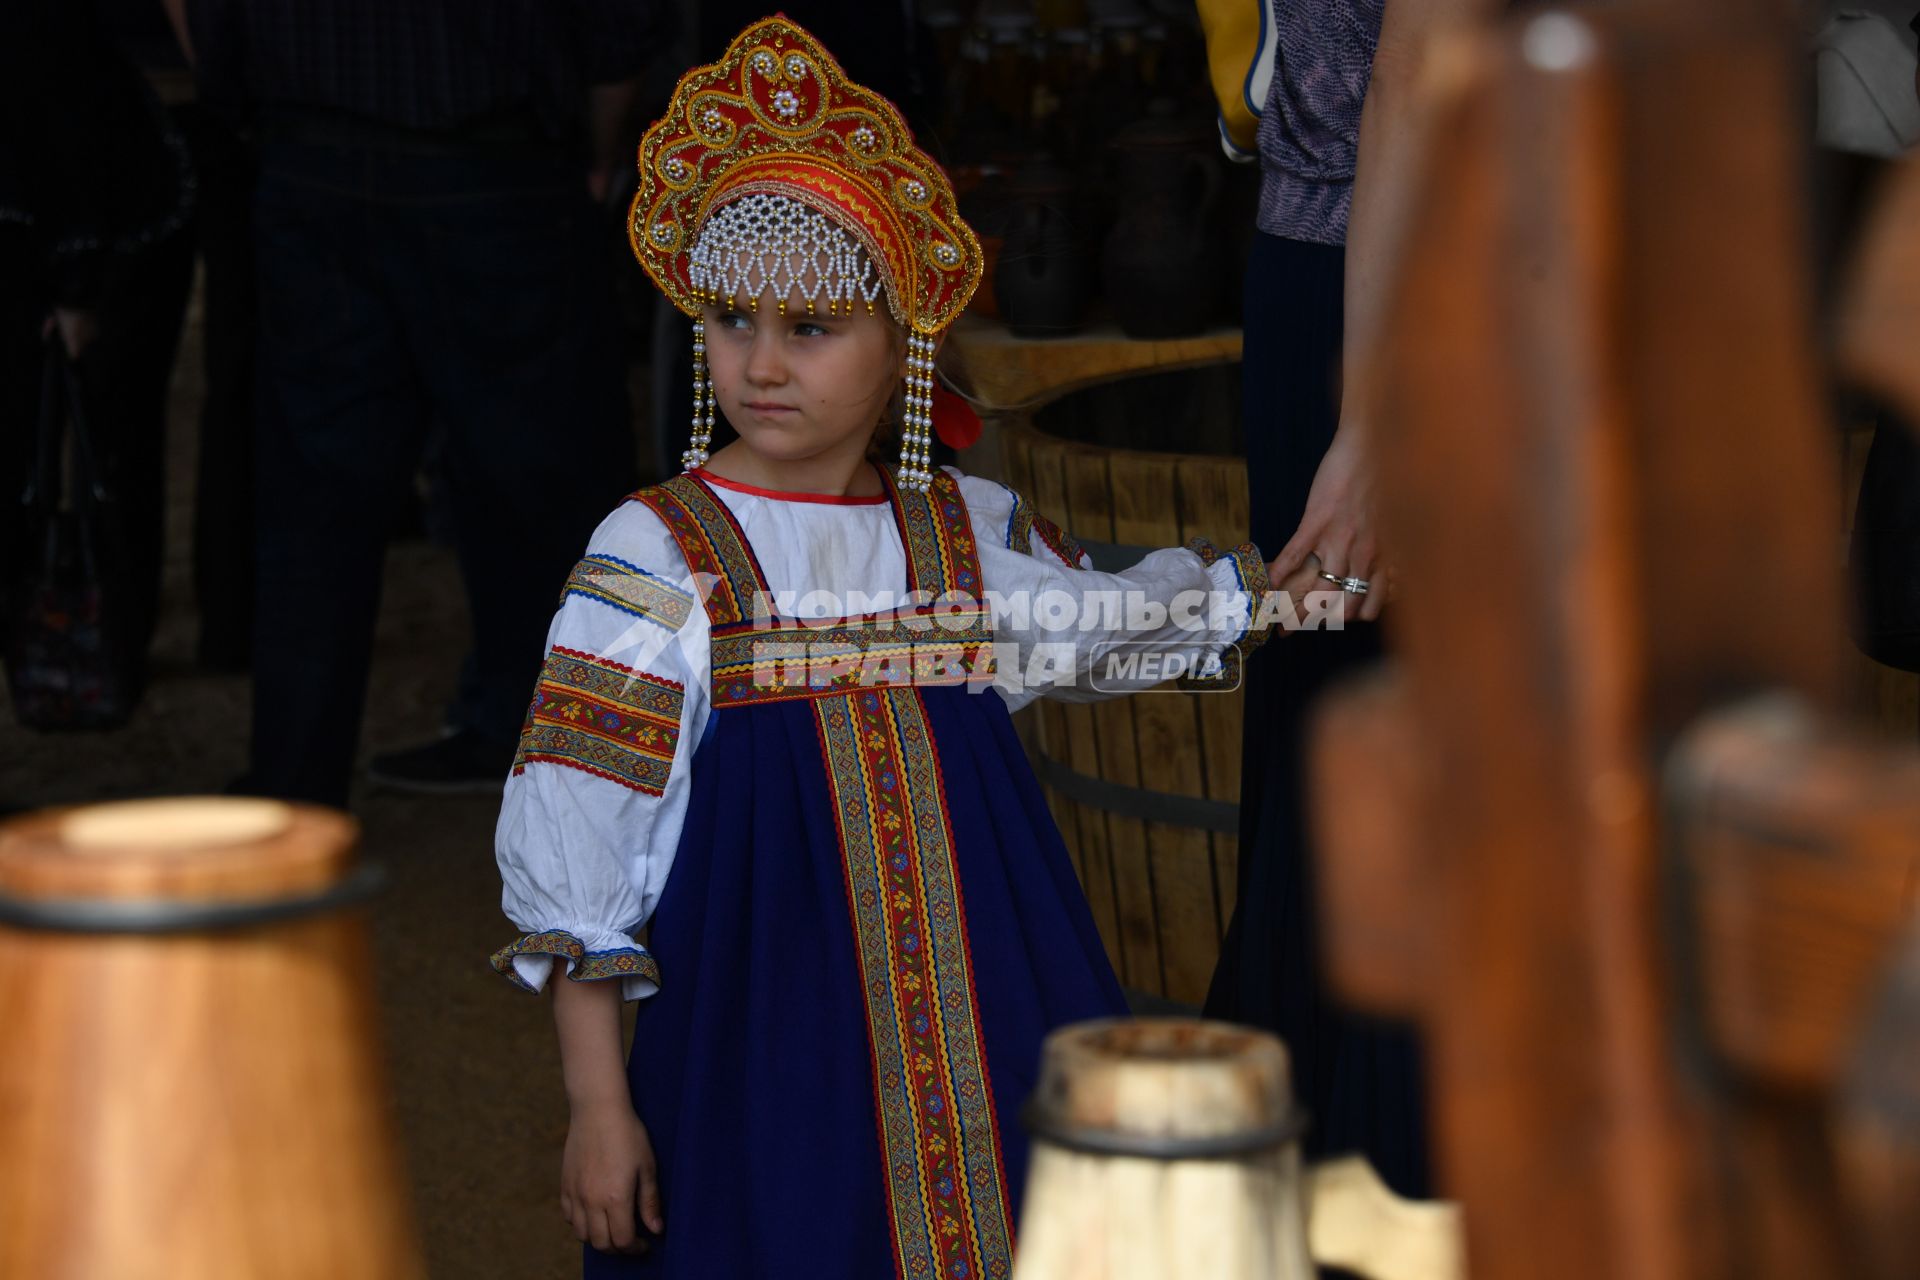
[475, 1071]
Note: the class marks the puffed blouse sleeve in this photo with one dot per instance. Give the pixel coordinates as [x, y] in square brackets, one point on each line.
[1194, 609]
[593, 808]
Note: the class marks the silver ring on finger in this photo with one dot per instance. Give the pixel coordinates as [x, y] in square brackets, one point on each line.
[1352, 586]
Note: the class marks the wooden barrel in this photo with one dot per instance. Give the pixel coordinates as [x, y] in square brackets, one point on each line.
[1164, 1149]
[191, 1086]
[1145, 788]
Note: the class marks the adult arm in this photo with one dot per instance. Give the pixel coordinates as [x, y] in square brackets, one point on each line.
[1338, 526]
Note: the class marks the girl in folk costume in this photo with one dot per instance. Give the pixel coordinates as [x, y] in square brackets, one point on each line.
[771, 728]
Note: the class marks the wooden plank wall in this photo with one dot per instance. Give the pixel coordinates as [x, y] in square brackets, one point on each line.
[1161, 892]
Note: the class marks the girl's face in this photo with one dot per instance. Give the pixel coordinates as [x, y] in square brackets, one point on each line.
[799, 387]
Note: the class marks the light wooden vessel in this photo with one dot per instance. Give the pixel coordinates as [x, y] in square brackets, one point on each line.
[1148, 1086]
[1168, 1149]
[191, 1086]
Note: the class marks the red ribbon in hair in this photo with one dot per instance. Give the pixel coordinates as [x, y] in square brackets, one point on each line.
[954, 420]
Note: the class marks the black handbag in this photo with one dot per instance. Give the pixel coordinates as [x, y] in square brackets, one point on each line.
[1886, 548]
[74, 659]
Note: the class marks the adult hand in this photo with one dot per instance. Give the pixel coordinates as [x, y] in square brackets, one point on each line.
[1337, 529]
[607, 1173]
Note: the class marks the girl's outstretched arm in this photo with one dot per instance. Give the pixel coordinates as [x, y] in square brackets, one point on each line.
[607, 1176]
[1064, 629]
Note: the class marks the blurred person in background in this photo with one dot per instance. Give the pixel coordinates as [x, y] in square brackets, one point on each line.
[96, 202]
[223, 500]
[1340, 131]
[428, 245]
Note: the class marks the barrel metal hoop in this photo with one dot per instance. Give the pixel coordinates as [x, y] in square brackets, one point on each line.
[1138, 802]
[84, 915]
[1045, 1126]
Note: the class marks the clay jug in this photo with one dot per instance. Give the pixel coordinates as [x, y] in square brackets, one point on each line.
[1042, 279]
[191, 1087]
[1168, 1149]
[1163, 270]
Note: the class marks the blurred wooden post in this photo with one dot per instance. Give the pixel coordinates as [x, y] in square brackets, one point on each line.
[191, 1088]
[1880, 1111]
[1597, 830]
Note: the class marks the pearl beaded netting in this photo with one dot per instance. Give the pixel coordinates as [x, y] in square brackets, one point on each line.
[773, 245]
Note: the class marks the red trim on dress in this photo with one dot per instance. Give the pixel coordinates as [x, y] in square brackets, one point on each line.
[782, 495]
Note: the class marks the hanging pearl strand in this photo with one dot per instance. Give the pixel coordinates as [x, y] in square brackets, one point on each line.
[916, 443]
[696, 455]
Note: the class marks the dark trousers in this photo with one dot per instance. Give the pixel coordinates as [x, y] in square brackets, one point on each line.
[460, 287]
[123, 378]
[1360, 1078]
[223, 539]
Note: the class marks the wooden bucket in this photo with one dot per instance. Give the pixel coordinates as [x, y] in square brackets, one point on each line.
[191, 1086]
[1145, 788]
[1163, 1149]
[1168, 1149]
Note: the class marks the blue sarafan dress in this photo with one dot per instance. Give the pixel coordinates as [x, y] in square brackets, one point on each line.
[755, 737]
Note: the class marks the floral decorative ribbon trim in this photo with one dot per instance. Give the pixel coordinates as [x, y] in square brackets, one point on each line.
[587, 966]
[602, 718]
[1250, 569]
[933, 1096]
[1060, 542]
[1025, 522]
[617, 584]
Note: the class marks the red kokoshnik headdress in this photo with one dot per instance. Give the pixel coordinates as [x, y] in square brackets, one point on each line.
[777, 116]
[772, 172]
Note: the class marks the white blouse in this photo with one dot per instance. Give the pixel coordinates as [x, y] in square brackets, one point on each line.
[585, 857]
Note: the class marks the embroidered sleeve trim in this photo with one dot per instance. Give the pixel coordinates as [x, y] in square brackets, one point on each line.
[603, 719]
[1250, 571]
[587, 966]
[1024, 522]
[613, 582]
[1060, 542]
[1019, 525]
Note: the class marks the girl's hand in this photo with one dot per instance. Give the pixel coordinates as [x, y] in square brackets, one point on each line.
[1312, 599]
[606, 1175]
